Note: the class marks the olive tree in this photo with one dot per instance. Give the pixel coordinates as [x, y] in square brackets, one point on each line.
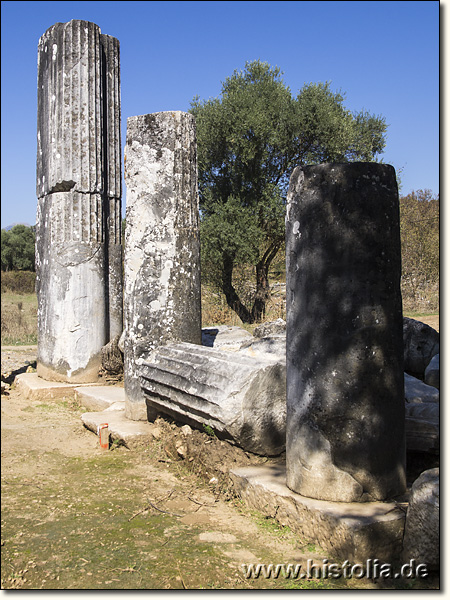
[249, 141]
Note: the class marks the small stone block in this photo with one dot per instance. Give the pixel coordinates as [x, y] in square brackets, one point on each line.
[34, 387]
[101, 397]
[132, 434]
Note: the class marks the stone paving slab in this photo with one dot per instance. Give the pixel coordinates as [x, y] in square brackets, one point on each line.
[352, 531]
[35, 388]
[132, 434]
[100, 397]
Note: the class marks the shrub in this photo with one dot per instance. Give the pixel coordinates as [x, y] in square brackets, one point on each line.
[18, 282]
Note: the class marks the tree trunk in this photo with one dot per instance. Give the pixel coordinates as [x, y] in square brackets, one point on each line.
[262, 294]
[232, 298]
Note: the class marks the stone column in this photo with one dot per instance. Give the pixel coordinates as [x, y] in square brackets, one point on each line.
[113, 180]
[345, 431]
[162, 248]
[78, 244]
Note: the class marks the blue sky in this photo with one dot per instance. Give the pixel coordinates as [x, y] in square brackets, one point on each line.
[383, 55]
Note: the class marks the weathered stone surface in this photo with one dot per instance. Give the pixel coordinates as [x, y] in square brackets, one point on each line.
[78, 239]
[101, 397]
[271, 346]
[432, 372]
[243, 399]
[131, 434]
[34, 387]
[422, 416]
[271, 328]
[162, 262]
[349, 531]
[421, 343]
[345, 430]
[225, 337]
[113, 180]
[69, 109]
[417, 391]
[121, 342]
[422, 426]
[70, 285]
[112, 357]
[421, 541]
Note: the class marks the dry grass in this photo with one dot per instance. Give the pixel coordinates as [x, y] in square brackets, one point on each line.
[19, 311]
[19, 319]
[420, 299]
[215, 310]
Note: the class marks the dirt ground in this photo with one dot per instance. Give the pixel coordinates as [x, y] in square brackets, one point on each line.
[75, 516]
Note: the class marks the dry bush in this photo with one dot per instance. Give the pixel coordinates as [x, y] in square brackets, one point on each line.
[419, 228]
[420, 297]
[18, 282]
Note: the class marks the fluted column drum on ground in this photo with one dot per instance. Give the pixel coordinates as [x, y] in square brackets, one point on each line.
[78, 184]
[162, 247]
[345, 402]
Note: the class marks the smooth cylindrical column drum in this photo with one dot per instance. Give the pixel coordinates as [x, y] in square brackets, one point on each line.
[345, 401]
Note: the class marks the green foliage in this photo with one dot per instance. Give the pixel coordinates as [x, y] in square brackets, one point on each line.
[18, 248]
[419, 226]
[209, 430]
[224, 232]
[249, 141]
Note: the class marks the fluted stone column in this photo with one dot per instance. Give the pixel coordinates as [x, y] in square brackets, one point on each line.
[162, 249]
[113, 180]
[78, 240]
[345, 430]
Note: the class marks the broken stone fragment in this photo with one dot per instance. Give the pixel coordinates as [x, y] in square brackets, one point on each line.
[242, 399]
[186, 430]
[416, 391]
[432, 373]
[112, 358]
[271, 346]
[421, 343]
[271, 328]
[421, 540]
[422, 427]
[225, 337]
